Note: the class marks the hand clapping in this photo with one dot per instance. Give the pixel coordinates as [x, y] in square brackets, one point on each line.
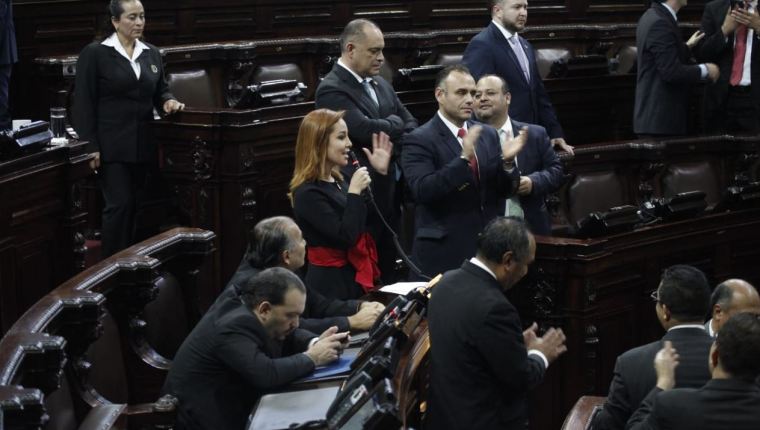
[380, 156]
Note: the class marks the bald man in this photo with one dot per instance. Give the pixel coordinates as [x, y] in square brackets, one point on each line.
[731, 297]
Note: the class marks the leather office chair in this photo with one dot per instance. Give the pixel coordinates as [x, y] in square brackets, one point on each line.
[194, 88]
[697, 176]
[625, 61]
[546, 58]
[580, 416]
[594, 191]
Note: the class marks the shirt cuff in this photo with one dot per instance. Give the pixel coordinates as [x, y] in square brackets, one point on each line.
[540, 355]
[703, 71]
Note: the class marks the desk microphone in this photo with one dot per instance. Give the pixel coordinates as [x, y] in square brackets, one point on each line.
[405, 258]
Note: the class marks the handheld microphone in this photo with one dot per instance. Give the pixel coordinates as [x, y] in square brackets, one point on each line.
[394, 236]
[356, 164]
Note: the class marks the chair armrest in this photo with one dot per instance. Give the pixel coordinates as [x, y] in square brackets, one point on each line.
[159, 415]
[583, 411]
[104, 417]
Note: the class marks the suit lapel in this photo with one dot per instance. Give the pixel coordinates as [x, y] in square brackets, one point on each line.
[450, 142]
[123, 63]
[507, 49]
[361, 98]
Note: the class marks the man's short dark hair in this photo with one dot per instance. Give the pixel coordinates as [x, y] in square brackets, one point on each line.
[354, 30]
[270, 285]
[685, 291]
[738, 344]
[504, 234]
[267, 241]
[443, 74]
[504, 84]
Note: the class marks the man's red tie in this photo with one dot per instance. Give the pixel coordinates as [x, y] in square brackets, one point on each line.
[461, 133]
[740, 48]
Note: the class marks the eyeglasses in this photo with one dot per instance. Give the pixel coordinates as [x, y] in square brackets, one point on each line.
[655, 297]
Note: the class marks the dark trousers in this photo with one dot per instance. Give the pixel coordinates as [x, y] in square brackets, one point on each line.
[739, 113]
[5, 79]
[123, 185]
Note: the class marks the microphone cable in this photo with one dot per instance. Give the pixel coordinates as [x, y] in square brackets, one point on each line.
[397, 244]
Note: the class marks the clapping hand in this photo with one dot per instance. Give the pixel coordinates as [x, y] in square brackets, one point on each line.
[380, 156]
[510, 148]
[665, 363]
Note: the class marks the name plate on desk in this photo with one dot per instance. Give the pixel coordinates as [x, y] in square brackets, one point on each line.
[279, 411]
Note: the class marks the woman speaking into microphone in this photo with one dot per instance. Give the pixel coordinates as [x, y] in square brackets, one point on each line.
[331, 210]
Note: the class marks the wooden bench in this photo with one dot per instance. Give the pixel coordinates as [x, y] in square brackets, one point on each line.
[93, 353]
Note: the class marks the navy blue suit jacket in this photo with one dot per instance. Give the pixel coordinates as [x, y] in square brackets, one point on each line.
[451, 210]
[665, 73]
[489, 53]
[8, 53]
[538, 161]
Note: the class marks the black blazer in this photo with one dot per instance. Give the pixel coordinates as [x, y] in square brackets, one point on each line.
[480, 370]
[340, 90]
[664, 75]
[721, 404]
[319, 314]
[450, 209]
[112, 108]
[716, 48]
[538, 161]
[227, 363]
[8, 53]
[489, 53]
[635, 375]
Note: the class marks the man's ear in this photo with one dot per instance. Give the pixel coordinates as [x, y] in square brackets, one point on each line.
[717, 312]
[285, 257]
[507, 259]
[508, 96]
[714, 357]
[666, 315]
[264, 308]
[438, 94]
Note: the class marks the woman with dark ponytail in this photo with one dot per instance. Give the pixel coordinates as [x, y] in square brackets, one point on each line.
[119, 82]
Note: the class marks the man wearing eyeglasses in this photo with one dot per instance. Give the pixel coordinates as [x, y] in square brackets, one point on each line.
[681, 302]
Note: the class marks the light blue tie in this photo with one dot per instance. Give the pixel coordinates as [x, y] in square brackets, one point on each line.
[513, 208]
[370, 91]
[514, 42]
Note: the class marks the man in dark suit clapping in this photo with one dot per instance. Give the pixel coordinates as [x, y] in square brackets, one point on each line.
[459, 175]
[728, 401]
[482, 362]
[681, 302]
[732, 104]
[540, 168]
[8, 56]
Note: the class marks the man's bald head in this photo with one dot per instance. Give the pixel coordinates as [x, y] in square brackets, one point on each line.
[731, 297]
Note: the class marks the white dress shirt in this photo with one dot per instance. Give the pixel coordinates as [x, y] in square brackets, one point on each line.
[113, 41]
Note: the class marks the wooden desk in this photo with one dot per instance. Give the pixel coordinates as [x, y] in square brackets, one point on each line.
[42, 222]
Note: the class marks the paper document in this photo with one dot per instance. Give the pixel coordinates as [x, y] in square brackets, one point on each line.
[402, 288]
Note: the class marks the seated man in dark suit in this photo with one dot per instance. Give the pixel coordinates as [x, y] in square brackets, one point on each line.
[482, 362]
[539, 166]
[236, 354]
[731, 297]
[459, 174]
[728, 401]
[681, 304]
[278, 241]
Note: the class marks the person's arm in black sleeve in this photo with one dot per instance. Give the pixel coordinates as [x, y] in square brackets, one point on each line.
[549, 178]
[85, 109]
[312, 206]
[426, 183]
[617, 408]
[162, 93]
[238, 349]
[713, 46]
